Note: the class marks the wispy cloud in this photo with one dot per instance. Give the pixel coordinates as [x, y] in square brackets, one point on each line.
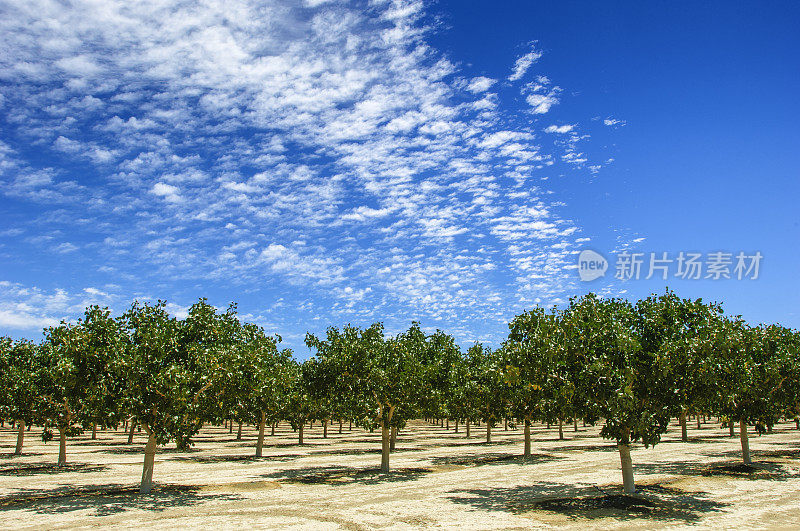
[320, 151]
[524, 62]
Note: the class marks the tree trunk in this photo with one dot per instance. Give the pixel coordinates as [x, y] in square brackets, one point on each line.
[260, 443]
[272, 428]
[560, 429]
[385, 447]
[684, 429]
[797, 422]
[505, 424]
[456, 431]
[488, 432]
[351, 426]
[527, 452]
[745, 442]
[575, 425]
[467, 429]
[230, 426]
[731, 429]
[340, 426]
[325, 429]
[624, 446]
[300, 434]
[698, 421]
[149, 461]
[62, 447]
[130, 433]
[393, 439]
[448, 423]
[94, 431]
[239, 432]
[20, 438]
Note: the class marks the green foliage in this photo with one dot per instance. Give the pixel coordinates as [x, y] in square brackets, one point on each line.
[171, 368]
[537, 368]
[621, 381]
[76, 381]
[19, 370]
[374, 378]
[753, 371]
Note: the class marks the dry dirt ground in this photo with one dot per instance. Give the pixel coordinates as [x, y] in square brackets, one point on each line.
[439, 479]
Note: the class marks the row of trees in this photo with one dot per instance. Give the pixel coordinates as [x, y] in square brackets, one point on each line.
[635, 366]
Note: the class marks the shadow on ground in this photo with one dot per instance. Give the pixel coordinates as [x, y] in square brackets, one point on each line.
[342, 475]
[757, 470]
[29, 469]
[652, 502]
[235, 458]
[106, 499]
[494, 459]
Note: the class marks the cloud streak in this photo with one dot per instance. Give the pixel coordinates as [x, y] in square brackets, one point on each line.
[319, 152]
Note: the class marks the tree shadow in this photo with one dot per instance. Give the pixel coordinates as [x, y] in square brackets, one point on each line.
[344, 475]
[494, 459]
[582, 448]
[139, 449]
[783, 453]
[49, 468]
[757, 470]
[652, 502]
[106, 499]
[12, 455]
[235, 458]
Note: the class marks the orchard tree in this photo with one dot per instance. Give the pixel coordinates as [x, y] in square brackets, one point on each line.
[486, 391]
[300, 405]
[537, 371]
[19, 390]
[681, 331]
[269, 379]
[379, 377]
[169, 369]
[77, 385]
[458, 397]
[438, 355]
[750, 365]
[789, 391]
[621, 382]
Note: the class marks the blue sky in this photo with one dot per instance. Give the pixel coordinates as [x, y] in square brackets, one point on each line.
[326, 162]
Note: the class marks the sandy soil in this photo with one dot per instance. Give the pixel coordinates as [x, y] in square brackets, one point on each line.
[439, 479]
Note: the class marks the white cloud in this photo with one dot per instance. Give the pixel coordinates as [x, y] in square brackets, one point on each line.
[541, 103]
[166, 191]
[523, 63]
[303, 147]
[560, 129]
[480, 84]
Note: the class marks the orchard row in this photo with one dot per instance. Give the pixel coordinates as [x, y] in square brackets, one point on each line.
[632, 367]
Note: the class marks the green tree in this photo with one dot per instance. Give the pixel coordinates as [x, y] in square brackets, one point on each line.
[486, 390]
[537, 371]
[380, 377]
[19, 390]
[170, 369]
[300, 405]
[681, 331]
[76, 382]
[621, 382]
[750, 363]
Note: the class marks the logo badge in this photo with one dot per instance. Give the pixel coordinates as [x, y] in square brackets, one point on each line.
[591, 265]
